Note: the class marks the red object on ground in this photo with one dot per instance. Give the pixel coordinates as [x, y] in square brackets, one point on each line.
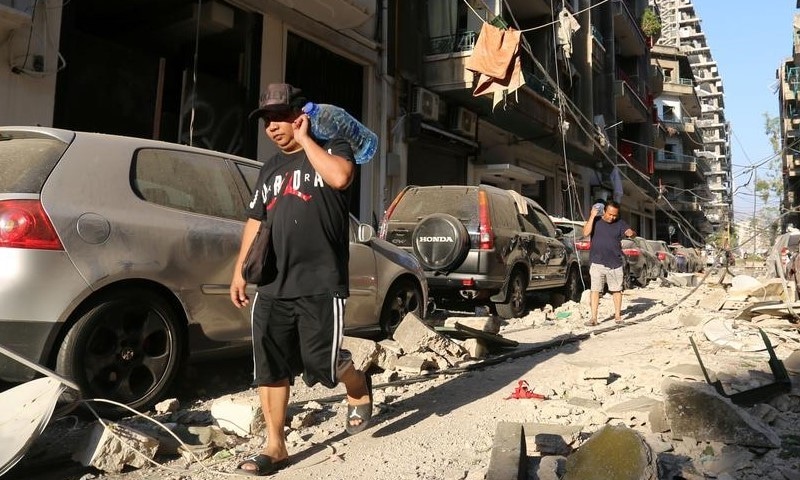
[522, 391]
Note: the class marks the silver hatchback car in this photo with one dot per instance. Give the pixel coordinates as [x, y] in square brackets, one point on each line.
[116, 255]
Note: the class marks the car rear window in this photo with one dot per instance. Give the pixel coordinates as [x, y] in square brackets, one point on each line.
[26, 159]
[417, 204]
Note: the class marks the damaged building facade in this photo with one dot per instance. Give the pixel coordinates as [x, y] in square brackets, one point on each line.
[570, 118]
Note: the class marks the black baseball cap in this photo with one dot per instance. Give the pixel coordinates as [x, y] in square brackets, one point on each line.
[278, 97]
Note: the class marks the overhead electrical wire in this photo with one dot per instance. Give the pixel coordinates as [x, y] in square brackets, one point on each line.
[680, 220]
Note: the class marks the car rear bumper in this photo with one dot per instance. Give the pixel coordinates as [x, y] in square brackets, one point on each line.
[26, 339]
[462, 281]
[37, 291]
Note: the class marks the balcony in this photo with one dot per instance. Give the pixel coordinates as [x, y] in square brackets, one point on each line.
[630, 40]
[669, 161]
[532, 110]
[598, 49]
[683, 202]
[630, 106]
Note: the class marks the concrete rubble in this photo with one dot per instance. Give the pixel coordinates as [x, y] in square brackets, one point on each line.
[658, 416]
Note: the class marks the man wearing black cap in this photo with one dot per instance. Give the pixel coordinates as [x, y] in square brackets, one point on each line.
[298, 316]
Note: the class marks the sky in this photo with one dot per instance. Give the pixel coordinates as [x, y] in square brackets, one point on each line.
[748, 40]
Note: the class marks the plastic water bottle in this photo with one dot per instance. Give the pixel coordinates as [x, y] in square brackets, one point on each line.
[330, 121]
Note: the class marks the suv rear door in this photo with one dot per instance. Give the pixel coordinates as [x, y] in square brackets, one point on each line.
[535, 243]
[556, 248]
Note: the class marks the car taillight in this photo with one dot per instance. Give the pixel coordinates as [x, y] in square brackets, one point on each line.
[24, 224]
[389, 211]
[583, 245]
[631, 252]
[485, 233]
[661, 255]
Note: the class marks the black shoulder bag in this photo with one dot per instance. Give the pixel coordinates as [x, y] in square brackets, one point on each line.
[258, 266]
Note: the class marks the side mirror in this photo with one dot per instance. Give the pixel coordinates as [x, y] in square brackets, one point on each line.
[559, 233]
[365, 233]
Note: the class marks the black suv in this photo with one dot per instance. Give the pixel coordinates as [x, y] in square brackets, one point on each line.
[483, 244]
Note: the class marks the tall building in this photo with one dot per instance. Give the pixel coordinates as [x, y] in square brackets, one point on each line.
[681, 30]
[788, 75]
[578, 127]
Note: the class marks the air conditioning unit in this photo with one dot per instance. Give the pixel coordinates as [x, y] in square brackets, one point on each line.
[426, 103]
[465, 122]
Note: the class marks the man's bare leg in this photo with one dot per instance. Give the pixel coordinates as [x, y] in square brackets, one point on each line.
[274, 403]
[595, 304]
[617, 297]
[355, 382]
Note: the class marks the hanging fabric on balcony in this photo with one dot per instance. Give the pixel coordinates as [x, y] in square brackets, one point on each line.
[496, 58]
[567, 26]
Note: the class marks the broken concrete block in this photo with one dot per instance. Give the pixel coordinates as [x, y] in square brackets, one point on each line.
[363, 351]
[697, 410]
[110, 448]
[414, 336]
[306, 418]
[167, 406]
[392, 346]
[638, 404]
[683, 279]
[412, 364]
[551, 467]
[240, 417]
[657, 418]
[475, 347]
[614, 451]
[509, 453]
[485, 324]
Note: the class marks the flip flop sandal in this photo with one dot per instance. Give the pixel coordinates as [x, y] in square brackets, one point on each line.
[359, 412]
[264, 465]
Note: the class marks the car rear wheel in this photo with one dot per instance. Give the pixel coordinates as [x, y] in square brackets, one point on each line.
[642, 278]
[440, 242]
[516, 302]
[126, 348]
[403, 297]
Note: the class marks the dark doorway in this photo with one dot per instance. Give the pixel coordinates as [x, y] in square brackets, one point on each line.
[182, 71]
[326, 77]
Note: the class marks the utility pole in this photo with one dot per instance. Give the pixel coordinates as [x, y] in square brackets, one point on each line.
[755, 201]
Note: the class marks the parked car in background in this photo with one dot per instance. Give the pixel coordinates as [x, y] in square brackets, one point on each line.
[664, 255]
[687, 260]
[643, 265]
[779, 257]
[117, 254]
[482, 244]
[573, 235]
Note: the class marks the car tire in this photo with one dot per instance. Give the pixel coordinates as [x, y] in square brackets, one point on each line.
[627, 281]
[516, 300]
[127, 347]
[440, 242]
[642, 279]
[402, 298]
[573, 287]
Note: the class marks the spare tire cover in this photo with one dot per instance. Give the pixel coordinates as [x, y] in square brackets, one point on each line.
[440, 242]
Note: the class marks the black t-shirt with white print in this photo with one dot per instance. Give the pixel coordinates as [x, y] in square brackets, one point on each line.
[310, 227]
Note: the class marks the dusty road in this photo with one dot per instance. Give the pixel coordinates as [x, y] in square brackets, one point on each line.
[442, 426]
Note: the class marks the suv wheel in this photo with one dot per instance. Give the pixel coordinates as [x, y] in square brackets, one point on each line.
[403, 297]
[515, 304]
[440, 242]
[573, 287]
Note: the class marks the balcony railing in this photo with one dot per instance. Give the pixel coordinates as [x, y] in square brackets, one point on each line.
[679, 81]
[460, 42]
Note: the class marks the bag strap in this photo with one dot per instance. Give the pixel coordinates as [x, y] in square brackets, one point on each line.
[268, 222]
